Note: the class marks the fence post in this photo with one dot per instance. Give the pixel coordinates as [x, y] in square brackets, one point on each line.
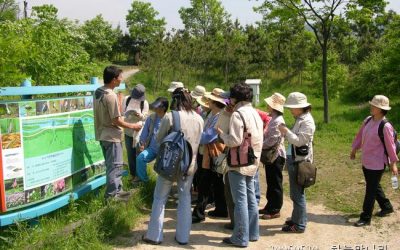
[26, 83]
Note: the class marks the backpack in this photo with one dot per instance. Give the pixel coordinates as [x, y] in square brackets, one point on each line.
[175, 153]
[381, 136]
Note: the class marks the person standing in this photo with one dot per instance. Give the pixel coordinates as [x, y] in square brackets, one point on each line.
[376, 154]
[148, 147]
[273, 157]
[191, 126]
[300, 139]
[135, 109]
[241, 179]
[108, 123]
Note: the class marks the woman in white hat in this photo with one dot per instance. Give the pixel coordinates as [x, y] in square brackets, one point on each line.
[273, 157]
[300, 139]
[375, 139]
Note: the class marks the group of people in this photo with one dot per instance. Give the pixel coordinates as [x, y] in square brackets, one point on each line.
[225, 125]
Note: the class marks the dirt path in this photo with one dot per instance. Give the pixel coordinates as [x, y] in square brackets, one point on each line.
[129, 72]
[325, 230]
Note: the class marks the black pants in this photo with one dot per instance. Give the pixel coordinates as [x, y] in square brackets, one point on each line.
[195, 183]
[210, 185]
[273, 173]
[373, 191]
[131, 155]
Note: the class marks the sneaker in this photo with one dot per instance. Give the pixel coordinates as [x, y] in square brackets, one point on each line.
[196, 219]
[362, 223]
[384, 212]
[151, 242]
[289, 222]
[292, 229]
[270, 216]
[210, 206]
[230, 243]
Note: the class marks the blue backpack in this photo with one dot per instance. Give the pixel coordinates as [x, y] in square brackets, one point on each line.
[175, 153]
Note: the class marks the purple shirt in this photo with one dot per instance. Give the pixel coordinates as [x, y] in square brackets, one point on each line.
[373, 154]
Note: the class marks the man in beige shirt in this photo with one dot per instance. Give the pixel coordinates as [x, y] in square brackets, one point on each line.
[108, 124]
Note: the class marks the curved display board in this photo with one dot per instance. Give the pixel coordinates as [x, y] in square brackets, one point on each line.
[47, 149]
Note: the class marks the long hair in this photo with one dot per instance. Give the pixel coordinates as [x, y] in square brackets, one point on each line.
[181, 100]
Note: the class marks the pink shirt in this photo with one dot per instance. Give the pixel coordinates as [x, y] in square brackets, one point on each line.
[373, 154]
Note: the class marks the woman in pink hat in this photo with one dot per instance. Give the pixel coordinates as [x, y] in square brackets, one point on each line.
[375, 139]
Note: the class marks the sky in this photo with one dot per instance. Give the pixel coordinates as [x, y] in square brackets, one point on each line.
[114, 11]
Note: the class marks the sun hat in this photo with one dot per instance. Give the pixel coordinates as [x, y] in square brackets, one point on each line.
[198, 91]
[175, 85]
[276, 101]
[160, 102]
[296, 100]
[380, 101]
[138, 92]
[203, 101]
[216, 95]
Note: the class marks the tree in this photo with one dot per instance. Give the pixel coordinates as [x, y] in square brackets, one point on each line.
[204, 17]
[143, 25]
[99, 38]
[319, 16]
[8, 10]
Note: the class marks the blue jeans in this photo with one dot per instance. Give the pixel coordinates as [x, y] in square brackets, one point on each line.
[298, 196]
[184, 213]
[142, 159]
[257, 187]
[246, 210]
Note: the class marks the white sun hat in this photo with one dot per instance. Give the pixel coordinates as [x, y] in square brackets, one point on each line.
[380, 101]
[175, 85]
[296, 100]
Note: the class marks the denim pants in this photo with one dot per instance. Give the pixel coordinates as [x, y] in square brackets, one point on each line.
[183, 217]
[298, 196]
[142, 159]
[112, 152]
[373, 191]
[246, 209]
[257, 187]
[131, 155]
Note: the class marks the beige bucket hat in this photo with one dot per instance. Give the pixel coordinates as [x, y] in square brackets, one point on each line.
[296, 100]
[198, 91]
[216, 95]
[175, 85]
[380, 101]
[276, 101]
[203, 101]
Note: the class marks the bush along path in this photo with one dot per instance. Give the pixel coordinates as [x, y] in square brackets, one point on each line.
[326, 229]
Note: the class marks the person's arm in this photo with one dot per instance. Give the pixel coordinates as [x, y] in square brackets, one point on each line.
[145, 132]
[273, 135]
[120, 121]
[235, 136]
[357, 142]
[390, 147]
[304, 135]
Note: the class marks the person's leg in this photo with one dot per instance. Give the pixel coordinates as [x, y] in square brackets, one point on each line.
[254, 230]
[161, 192]
[131, 155]
[218, 190]
[297, 195]
[203, 195]
[372, 178]
[142, 159]
[229, 199]
[383, 201]
[274, 186]
[238, 186]
[184, 222]
[113, 161]
[257, 187]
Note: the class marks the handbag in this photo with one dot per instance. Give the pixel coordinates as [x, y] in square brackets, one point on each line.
[243, 155]
[219, 163]
[306, 174]
[268, 154]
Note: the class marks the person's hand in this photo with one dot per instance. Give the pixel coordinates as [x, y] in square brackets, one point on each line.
[219, 130]
[141, 148]
[353, 154]
[136, 127]
[283, 129]
[394, 169]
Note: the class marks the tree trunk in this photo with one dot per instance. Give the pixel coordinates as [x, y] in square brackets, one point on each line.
[324, 80]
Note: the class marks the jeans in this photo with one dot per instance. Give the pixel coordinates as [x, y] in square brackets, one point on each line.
[373, 191]
[183, 218]
[297, 195]
[112, 152]
[273, 173]
[131, 154]
[246, 210]
[257, 187]
[228, 198]
[142, 159]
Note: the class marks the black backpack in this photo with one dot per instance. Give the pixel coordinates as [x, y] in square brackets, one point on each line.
[381, 136]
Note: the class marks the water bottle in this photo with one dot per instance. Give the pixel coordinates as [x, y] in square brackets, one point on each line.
[395, 182]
